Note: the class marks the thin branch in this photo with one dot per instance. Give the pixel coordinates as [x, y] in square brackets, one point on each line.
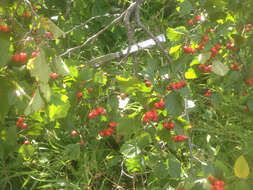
[95, 35]
[137, 13]
[91, 19]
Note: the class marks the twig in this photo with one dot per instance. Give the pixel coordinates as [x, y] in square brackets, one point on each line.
[89, 20]
[137, 13]
[95, 35]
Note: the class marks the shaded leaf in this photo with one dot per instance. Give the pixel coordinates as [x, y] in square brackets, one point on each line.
[174, 104]
[35, 104]
[4, 50]
[219, 68]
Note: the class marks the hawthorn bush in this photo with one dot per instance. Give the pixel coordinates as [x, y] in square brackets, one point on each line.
[76, 116]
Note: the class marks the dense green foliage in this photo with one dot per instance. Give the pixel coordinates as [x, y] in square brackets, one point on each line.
[168, 117]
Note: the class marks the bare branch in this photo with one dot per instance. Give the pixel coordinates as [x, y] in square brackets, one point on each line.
[137, 13]
[95, 35]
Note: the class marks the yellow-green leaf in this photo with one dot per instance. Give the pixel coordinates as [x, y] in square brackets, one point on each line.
[190, 74]
[241, 168]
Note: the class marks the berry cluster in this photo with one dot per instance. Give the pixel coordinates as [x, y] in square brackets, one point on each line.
[205, 68]
[94, 113]
[168, 126]
[188, 50]
[216, 184]
[235, 66]
[152, 115]
[205, 39]
[249, 81]
[147, 82]
[4, 28]
[20, 123]
[109, 131]
[159, 105]
[248, 27]
[177, 86]
[197, 20]
[179, 138]
[231, 46]
[208, 93]
[215, 50]
[26, 15]
[19, 57]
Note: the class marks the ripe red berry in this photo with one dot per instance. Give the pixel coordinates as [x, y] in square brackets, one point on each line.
[113, 124]
[73, 133]
[23, 125]
[122, 96]
[156, 105]
[179, 138]
[34, 54]
[100, 109]
[23, 57]
[83, 83]
[205, 38]
[5, 29]
[26, 142]
[168, 88]
[190, 22]
[211, 179]
[95, 112]
[108, 132]
[102, 133]
[54, 75]
[91, 115]
[49, 34]
[171, 125]
[166, 125]
[198, 18]
[79, 94]
[202, 66]
[145, 119]
[148, 83]
[91, 90]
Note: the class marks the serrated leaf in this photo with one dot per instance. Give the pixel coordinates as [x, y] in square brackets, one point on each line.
[203, 57]
[4, 50]
[39, 68]
[175, 34]
[190, 74]
[127, 126]
[174, 104]
[241, 168]
[35, 104]
[50, 26]
[61, 67]
[59, 107]
[219, 68]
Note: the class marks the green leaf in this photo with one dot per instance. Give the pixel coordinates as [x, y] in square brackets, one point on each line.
[26, 151]
[35, 103]
[203, 57]
[250, 104]
[239, 185]
[100, 78]
[45, 90]
[185, 7]
[127, 126]
[161, 170]
[174, 103]
[174, 168]
[134, 164]
[4, 50]
[241, 168]
[60, 66]
[175, 34]
[143, 139]
[219, 68]
[6, 87]
[39, 68]
[72, 152]
[190, 74]
[86, 74]
[50, 26]
[130, 149]
[59, 107]
[128, 84]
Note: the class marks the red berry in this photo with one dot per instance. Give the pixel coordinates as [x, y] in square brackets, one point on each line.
[249, 25]
[179, 138]
[100, 109]
[49, 34]
[168, 88]
[79, 94]
[23, 57]
[91, 115]
[198, 18]
[34, 54]
[54, 75]
[95, 112]
[190, 22]
[26, 142]
[5, 29]
[145, 119]
[102, 133]
[122, 96]
[157, 105]
[113, 124]
[211, 179]
[161, 104]
[16, 57]
[83, 83]
[246, 108]
[23, 125]
[218, 46]
[108, 132]
[91, 90]
[171, 125]
[166, 124]
[205, 38]
[74, 133]
[148, 83]
[202, 66]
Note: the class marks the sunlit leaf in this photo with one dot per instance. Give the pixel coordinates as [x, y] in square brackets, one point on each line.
[241, 168]
[219, 68]
[51, 27]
